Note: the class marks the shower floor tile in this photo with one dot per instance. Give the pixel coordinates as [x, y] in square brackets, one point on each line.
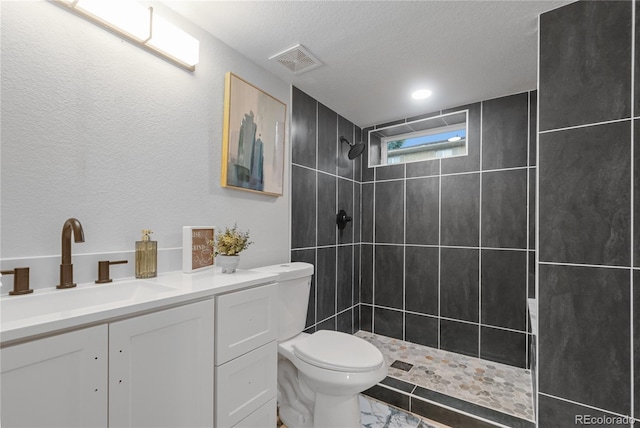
[496, 386]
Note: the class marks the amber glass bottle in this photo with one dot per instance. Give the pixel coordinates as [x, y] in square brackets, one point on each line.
[146, 256]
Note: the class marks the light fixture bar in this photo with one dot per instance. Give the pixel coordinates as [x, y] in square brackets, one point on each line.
[141, 26]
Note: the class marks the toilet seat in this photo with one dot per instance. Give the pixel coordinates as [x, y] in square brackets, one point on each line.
[338, 351]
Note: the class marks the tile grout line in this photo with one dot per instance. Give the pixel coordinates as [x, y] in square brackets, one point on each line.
[632, 261]
[315, 315]
[439, 251]
[526, 283]
[404, 256]
[480, 238]
[536, 266]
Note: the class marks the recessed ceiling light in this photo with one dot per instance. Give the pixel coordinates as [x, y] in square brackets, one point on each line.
[421, 94]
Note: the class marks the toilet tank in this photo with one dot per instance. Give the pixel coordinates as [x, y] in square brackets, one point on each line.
[294, 283]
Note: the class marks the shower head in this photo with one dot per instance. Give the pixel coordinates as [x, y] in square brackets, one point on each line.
[355, 150]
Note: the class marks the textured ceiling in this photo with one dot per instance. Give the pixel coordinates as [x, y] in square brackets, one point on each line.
[374, 53]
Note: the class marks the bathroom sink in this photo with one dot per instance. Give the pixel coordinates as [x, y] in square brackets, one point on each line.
[80, 299]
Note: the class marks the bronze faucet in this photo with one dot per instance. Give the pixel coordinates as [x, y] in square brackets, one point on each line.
[66, 268]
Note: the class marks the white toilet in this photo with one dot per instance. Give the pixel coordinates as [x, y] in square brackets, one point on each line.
[319, 375]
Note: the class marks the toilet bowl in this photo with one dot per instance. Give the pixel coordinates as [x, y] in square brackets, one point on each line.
[321, 374]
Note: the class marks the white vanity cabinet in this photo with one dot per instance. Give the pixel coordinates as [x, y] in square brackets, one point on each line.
[150, 370]
[161, 368]
[246, 356]
[57, 381]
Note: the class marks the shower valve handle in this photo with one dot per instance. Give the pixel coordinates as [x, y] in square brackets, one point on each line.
[342, 219]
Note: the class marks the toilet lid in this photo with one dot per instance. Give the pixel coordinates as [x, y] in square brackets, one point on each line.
[338, 351]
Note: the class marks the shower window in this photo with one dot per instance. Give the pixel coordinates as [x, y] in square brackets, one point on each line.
[435, 137]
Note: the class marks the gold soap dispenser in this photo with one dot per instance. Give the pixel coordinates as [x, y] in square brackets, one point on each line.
[146, 256]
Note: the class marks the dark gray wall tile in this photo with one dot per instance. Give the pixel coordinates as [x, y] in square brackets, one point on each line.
[388, 322]
[459, 337]
[303, 135]
[423, 169]
[326, 283]
[389, 172]
[389, 212]
[359, 137]
[345, 202]
[554, 413]
[423, 211]
[459, 283]
[345, 277]
[504, 209]
[504, 289]
[589, 308]
[327, 139]
[533, 126]
[505, 132]
[532, 208]
[460, 201]
[503, 346]
[366, 281]
[308, 256]
[328, 324]
[471, 162]
[585, 195]
[327, 210]
[636, 191]
[421, 329]
[344, 322]
[389, 267]
[367, 212]
[303, 207]
[345, 165]
[421, 279]
[357, 213]
[366, 318]
[581, 46]
[532, 275]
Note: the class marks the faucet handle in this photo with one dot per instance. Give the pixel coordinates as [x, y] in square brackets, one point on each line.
[103, 270]
[20, 280]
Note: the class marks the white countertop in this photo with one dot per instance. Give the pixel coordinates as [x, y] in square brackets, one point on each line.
[48, 310]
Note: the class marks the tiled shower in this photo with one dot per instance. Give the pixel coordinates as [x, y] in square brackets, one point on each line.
[440, 252]
[444, 252]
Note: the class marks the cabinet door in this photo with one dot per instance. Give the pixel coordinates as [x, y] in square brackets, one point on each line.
[161, 368]
[245, 320]
[59, 381]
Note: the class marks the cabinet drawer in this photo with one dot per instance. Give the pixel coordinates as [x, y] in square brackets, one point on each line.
[264, 417]
[245, 320]
[245, 384]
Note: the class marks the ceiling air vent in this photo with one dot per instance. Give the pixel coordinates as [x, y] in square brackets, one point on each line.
[297, 59]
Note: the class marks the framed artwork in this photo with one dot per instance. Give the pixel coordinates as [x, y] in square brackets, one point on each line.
[197, 251]
[253, 138]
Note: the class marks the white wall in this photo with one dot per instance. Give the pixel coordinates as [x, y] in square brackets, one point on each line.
[96, 128]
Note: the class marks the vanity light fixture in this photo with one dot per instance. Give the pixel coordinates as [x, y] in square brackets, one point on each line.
[141, 26]
[421, 94]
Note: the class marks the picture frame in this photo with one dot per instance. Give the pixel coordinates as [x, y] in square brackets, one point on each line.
[253, 138]
[197, 253]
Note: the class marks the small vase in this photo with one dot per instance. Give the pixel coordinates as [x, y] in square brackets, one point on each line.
[227, 263]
